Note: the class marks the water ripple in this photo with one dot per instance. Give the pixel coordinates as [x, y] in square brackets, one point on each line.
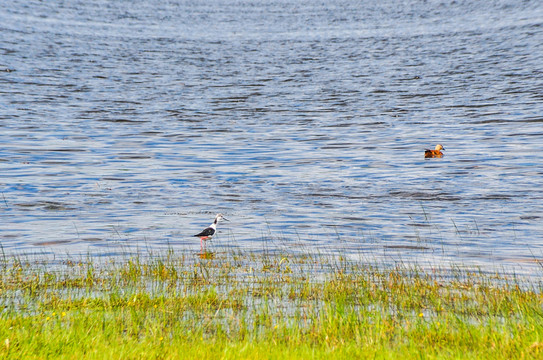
[127, 127]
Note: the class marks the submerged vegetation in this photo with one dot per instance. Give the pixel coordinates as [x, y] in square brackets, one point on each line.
[262, 306]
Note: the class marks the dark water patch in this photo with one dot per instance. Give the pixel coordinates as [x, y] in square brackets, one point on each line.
[234, 99]
[134, 157]
[46, 205]
[537, 133]
[51, 162]
[92, 239]
[421, 95]
[418, 225]
[382, 91]
[494, 197]
[314, 138]
[490, 121]
[355, 218]
[40, 150]
[65, 150]
[121, 121]
[530, 217]
[406, 247]
[328, 147]
[52, 243]
[9, 236]
[54, 206]
[376, 123]
[341, 125]
[337, 196]
[418, 195]
[471, 106]
[151, 133]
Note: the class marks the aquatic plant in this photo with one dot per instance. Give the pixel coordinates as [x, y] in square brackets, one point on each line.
[267, 305]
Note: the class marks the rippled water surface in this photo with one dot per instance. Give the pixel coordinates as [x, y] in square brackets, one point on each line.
[127, 125]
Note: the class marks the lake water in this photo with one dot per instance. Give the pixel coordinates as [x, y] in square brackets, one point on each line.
[127, 125]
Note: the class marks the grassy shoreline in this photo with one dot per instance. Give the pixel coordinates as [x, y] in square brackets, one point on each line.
[267, 306]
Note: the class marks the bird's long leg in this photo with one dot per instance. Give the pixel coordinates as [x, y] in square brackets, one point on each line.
[201, 246]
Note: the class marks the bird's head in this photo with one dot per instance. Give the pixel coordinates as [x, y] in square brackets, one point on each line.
[220, 217]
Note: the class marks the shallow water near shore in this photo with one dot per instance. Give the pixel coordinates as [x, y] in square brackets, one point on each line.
[127, 126]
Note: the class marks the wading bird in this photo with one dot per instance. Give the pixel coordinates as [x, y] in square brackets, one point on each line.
[209, 231]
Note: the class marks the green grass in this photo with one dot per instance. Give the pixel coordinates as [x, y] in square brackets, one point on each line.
[264, 306]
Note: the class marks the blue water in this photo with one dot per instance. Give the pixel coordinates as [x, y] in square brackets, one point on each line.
[127, 125]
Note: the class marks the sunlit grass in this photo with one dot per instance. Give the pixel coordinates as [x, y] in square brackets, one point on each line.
[262, 306]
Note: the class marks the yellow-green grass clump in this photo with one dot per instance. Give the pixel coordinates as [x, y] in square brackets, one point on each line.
[262, 306]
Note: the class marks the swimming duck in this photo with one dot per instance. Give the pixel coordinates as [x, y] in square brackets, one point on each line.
[434, 153]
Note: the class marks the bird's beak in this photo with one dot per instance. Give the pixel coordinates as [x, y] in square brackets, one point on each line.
[225, 219]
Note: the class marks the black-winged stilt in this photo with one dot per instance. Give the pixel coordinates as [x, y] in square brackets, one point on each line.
[209, 231]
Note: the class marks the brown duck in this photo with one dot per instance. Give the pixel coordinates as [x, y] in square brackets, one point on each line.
[434, 153]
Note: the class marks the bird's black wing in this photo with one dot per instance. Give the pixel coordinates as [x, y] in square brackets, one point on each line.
[206, 232]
